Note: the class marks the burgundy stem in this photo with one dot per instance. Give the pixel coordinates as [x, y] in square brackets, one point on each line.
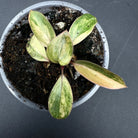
[62, 69]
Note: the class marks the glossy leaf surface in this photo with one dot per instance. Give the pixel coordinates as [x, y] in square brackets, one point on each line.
[41, 27]
[60, 49]
[36, 50]
[82, 27]
[99, 75]
[60, 99]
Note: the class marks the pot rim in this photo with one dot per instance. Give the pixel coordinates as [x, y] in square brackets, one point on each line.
[15, 92]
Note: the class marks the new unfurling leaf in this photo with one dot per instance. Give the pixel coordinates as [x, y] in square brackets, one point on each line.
[60, 99]
[60, 49]
[99, 75]
[36, 50]
[82, 27]
[41, 27]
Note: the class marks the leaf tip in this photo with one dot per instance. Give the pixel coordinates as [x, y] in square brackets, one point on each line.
[30, 12]
[125, 86]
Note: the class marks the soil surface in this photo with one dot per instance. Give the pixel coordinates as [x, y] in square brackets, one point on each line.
[34, 79]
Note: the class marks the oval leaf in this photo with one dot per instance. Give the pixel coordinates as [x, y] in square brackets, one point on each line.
[60, 99]
[60, 49]
[36, 50]
[99, 75]
[41, 27]
[82, 27]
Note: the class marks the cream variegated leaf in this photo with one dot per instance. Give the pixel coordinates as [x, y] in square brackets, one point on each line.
[36, 50]
[60, 99]
[99, 75]
[82, 27]
[60, 49]
[41, 27]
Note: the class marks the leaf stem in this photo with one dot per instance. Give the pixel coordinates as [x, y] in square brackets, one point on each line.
[70, 72]
[62, 70]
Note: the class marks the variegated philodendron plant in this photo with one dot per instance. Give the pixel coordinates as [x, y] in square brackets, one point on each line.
[45, 46]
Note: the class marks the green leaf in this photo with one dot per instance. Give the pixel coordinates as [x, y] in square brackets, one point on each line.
[60, 99]
[36, 50]
[82, 27]
[41, 27]
[60, 49]
[99, 75]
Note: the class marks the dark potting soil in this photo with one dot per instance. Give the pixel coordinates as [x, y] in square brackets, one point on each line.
[34, 79]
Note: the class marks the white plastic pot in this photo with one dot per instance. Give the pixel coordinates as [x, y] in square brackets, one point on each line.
[17, 18]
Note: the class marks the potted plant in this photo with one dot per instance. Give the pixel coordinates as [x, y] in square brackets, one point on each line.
[55, 62]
